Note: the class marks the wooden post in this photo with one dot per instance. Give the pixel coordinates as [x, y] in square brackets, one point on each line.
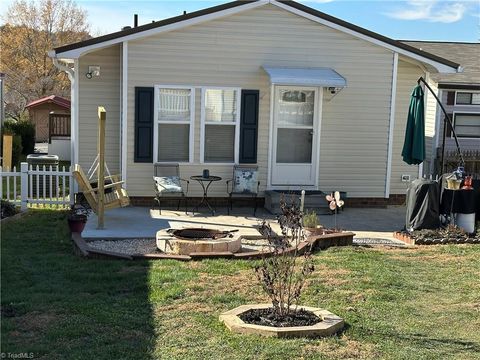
[102, 117]
[7, 152]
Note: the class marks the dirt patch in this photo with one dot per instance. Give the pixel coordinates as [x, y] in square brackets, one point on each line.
[345, 349]
[185, 307]
[36, 321]
[242, 283]
[441, 258]
[132, 269]
[328, 276]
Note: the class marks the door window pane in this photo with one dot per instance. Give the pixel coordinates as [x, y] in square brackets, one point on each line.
[295, 108]
[219, 143]
[173, 142]
[294, 146]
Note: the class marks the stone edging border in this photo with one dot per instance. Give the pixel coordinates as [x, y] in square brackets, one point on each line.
[407, 239]
[82, 248]
[14, 217]
[330, 324]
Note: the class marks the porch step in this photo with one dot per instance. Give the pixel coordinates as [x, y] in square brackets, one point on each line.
[314, 199]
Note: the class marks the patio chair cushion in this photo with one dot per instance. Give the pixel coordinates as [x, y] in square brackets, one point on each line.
[168, 184]
[245, 181]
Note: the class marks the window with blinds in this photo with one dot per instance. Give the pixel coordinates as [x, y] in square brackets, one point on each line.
[174, 118]
[467, 125]
[221, 116]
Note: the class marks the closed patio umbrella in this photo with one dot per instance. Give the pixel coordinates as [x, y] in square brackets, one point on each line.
[413, 152]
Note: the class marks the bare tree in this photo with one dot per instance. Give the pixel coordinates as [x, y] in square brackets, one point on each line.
[32, 28]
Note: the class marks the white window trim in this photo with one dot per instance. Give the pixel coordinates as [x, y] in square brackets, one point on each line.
[236, 123]
[156, 121]
[454, 115]
[467, 92]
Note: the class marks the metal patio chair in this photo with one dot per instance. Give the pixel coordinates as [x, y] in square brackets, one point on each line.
[244, 183]
[168, 184]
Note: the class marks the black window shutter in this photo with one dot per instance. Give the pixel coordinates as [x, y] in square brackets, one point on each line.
[144, 124]
[450, 97]
[249, 126]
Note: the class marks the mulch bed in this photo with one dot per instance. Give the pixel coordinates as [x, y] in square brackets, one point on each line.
[266, 317]
[448, 235]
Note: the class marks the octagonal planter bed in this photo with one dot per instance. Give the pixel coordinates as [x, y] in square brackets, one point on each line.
[328, 323]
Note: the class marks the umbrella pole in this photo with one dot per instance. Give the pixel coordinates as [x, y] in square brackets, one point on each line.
[442, 169]
[447, 119]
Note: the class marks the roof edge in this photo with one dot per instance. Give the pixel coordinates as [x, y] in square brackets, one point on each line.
[369, 33]
[239, 3]
[440, 42]
[153, 25]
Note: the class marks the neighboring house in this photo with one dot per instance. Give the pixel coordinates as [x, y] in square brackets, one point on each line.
[51, 116]
[39, 111]
[314, 101]
[460, 94]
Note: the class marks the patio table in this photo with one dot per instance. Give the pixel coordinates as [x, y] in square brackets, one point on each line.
[205, 182]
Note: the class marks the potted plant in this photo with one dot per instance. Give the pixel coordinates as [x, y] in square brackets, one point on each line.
[282, 276]
[311, 224]
[77, 217]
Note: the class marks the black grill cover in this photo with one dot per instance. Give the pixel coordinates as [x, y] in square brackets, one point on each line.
[423, 205]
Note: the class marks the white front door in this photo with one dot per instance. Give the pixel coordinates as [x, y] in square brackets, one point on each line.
[295, 136]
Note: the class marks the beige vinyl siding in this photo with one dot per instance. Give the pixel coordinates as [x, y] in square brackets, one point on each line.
[100, 91]
[406, 81]
[230, 52]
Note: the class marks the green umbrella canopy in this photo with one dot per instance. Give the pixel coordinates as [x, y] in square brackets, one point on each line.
[413, 152]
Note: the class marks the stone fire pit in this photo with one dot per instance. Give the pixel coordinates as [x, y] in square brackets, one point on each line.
[198, 240]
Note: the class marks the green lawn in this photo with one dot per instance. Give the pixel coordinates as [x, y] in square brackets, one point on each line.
[398, 304]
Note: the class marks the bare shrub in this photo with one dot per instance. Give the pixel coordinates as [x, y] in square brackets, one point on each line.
[283, 274]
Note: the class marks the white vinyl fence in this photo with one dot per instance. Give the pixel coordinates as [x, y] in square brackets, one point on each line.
[37, 185]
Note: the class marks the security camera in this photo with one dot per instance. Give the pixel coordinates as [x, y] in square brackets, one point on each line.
[332, 90]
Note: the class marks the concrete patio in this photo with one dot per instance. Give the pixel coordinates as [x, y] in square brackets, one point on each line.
[142, 222]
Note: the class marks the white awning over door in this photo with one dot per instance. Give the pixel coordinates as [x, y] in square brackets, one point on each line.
[321, 77]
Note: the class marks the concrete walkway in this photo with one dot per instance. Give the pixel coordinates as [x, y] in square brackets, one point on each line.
[142, 222]
[368, 223]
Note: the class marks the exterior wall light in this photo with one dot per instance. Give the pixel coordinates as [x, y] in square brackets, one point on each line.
[93, 71]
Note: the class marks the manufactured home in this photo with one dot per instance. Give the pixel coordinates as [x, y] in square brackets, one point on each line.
[315, 102]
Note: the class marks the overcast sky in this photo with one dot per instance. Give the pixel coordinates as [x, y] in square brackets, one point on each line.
[447, 20]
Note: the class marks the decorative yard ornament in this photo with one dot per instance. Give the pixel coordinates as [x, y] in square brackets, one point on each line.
[335, 203]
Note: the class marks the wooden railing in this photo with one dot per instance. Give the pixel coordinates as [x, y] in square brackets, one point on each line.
[58, 125]
[472, 161]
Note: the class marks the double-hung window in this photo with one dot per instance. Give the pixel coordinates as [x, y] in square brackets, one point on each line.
[220, 125]
[467, 125]
[174, 121]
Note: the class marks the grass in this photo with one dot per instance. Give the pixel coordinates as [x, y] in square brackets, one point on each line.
[419, 303]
